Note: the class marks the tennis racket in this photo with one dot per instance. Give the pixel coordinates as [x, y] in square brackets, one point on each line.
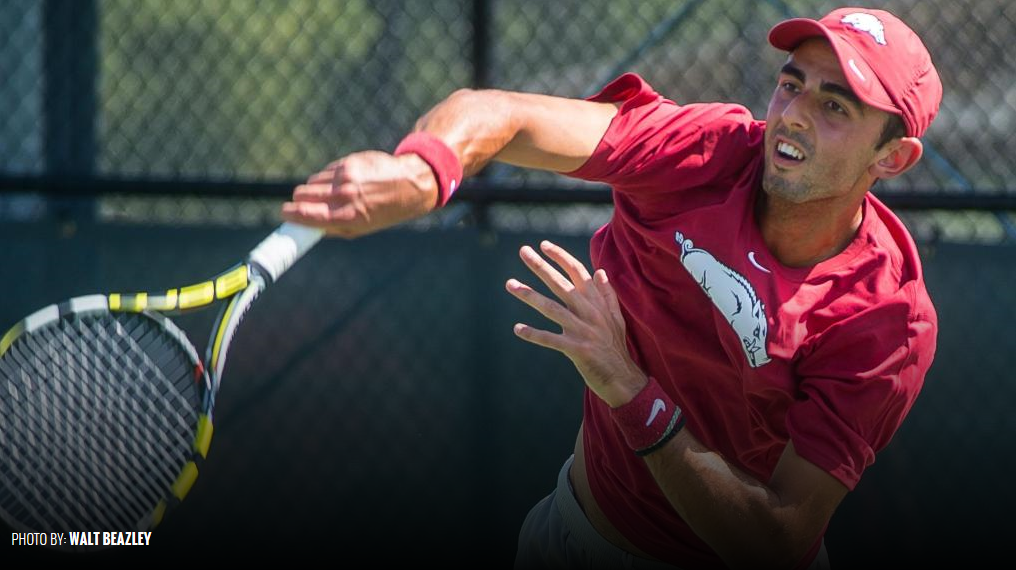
[106, 406]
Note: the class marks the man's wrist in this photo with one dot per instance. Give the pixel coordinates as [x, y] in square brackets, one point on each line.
[421, 176]
[649, 420]
[442, 160]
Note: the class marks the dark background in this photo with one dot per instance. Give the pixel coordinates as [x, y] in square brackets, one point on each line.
[376, 402]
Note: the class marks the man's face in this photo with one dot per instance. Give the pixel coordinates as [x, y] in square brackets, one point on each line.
[820, 138]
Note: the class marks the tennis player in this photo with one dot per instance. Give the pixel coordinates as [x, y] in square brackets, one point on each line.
[755, 327]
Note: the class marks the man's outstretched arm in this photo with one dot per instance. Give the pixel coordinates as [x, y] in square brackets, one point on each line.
[368, 191]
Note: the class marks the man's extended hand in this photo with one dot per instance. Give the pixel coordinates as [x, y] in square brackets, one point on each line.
[593, 328]
[364, 192]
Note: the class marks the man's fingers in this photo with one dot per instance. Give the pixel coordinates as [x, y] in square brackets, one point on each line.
[575, 269]
[325, 176]
[316, 213]
[607, 291]
[542, 338]
[306, 212]
[543, 305]
[312, 192]
[553, 278]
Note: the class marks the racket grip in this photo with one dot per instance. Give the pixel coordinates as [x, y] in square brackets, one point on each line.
[283, 247]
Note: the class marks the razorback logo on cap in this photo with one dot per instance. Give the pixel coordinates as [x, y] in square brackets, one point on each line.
[867, 23]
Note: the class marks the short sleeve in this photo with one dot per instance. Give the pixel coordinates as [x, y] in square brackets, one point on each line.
[859, 381]
[653, 142]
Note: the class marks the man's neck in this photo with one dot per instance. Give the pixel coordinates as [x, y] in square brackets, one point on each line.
[804, 234]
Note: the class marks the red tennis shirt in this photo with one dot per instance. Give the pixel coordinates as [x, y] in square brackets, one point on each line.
[756, 353]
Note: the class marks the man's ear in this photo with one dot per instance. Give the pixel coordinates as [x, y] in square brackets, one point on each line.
[897, 157]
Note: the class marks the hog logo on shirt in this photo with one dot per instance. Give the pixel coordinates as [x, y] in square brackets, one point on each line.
[733, 295]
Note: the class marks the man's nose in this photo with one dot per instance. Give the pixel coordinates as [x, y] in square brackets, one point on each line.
[795, 114]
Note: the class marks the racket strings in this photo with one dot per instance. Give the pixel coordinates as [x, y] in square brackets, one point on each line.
[80, 446]
[114, 401]
[35, 430]
[116, 482]
[80, 479]
[69, 448]
[153, 456]
[30, 431]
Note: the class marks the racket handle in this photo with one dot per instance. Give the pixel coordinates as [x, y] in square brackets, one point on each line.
[283, 247]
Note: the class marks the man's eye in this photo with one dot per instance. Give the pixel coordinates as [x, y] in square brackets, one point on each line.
[789, 86]
[835, 107]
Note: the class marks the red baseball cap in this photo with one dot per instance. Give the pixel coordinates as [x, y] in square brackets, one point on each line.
[885, 62]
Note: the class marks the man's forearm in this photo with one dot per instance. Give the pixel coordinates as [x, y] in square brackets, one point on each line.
[475, 124]
[747, 522]
[524, 129]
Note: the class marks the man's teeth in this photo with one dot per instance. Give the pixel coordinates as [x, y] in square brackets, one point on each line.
[791, 151]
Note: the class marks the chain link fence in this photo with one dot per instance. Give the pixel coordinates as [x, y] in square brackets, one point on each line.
[265, 93]
[146, 143]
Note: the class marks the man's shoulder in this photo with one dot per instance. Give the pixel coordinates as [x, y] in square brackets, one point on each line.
[882, 280]
[632, 90]
[889, 234]
[654, 145]
[721, 117]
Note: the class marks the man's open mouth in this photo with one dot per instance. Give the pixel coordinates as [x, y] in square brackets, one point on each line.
[789, 151]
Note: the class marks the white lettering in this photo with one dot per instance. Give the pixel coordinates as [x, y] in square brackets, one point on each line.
[29, 539]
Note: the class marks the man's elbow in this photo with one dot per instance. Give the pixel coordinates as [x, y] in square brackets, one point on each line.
[465, 106]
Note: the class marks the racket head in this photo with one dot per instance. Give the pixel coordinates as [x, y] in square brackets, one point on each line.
[104, 417]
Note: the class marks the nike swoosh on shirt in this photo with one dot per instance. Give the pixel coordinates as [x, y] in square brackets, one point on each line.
[658, 406]
[751, 258]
